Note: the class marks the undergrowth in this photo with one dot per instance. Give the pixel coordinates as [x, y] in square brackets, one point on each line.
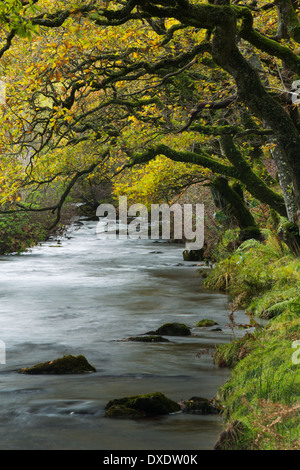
[18, 232]
[264, 276]
[263, 392]
[22, 230]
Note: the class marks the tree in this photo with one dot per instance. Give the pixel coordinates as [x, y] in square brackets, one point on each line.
[196, 82]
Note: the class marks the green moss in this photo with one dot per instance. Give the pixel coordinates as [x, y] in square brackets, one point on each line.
[64, 365]
[205, 323]
[151, 404]
[122, 412]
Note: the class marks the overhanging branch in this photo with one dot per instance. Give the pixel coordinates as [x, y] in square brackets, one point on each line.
[58, 206]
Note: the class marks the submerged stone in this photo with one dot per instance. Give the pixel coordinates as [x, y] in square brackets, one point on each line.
[206, 322]
[147, 339]
[151, 404]
[63, 365]
[172, 329]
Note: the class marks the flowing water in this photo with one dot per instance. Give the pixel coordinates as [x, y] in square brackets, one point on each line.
[82, 295]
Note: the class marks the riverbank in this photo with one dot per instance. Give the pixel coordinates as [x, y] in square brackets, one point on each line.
[262, 397]
[23, 230]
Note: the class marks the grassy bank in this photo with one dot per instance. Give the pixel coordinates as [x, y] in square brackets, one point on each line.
[262, 397]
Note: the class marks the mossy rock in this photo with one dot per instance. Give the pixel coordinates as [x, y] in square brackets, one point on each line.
[63, 365]
[151, 404]
[199, 405]
[123, 412]
[203, 273]
[147, 339]
[171, 329]
[193, 255]
[205, 323]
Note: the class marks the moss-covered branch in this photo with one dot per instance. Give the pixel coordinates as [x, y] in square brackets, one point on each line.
[239, 170]
[200, 158]
[254, 184]
[57, 207]
[261, 42]
[237, 131]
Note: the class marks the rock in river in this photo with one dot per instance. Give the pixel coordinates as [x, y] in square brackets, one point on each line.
[63, 365]
[151, 404]
[205, 323]
[171, 329]
[123, 412]
[147, 339]
[199, 405]
[193, 255]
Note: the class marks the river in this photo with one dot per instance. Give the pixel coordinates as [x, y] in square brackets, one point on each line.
[81, 295]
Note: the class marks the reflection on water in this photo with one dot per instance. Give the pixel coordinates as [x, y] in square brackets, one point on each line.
[80, 297]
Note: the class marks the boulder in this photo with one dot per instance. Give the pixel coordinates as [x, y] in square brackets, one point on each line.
[199, 405]
[151, 404]
[122, 412]
[63, 365]
[193, 255]
[205, 323]
[171, 329]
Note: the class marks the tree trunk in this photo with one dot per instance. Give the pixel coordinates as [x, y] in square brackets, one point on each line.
[244, 218]
[261, 104]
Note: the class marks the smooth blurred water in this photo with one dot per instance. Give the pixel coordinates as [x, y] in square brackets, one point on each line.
[81, 296]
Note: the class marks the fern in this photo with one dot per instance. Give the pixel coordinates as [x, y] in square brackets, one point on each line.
[251, 243]
[280, 307]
